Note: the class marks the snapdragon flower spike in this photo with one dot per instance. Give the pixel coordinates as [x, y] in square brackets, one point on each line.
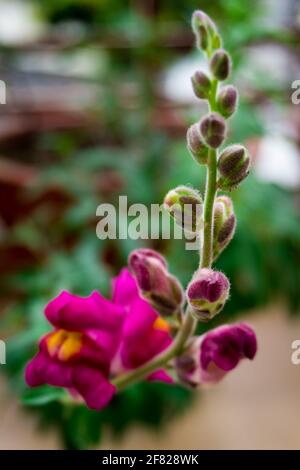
[227, 100]
[207, 293]
[195, 144]
[162, 290]
[78, 353]
[233, 165]
[201, 84]
[224, 224]
[184, 204]
[220, 64]
[210, 357]
[206, 32]
[213, 129]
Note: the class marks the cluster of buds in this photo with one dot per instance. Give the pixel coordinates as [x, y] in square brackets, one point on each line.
[162, 290]
[184, 204]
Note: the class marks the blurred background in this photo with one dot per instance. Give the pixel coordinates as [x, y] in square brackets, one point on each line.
[98, 100]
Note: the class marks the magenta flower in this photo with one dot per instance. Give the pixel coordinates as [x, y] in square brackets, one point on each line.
[214, 354]
[145, 334]
[91, 334]
[78, 353]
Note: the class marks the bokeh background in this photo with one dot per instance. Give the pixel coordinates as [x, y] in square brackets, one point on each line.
[98, 103]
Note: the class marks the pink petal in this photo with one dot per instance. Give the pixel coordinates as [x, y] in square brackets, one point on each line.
[74, 313]
[42, 370]
[94, 388]
[161, 376]
[125, 289]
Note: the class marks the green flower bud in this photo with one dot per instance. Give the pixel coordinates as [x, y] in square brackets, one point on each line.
[184, 204]
[220, 64]
[206, 32]
[195, 144]
[227, 100]
[224, 224]
[233, 166]
[213, 129]
[201, 84]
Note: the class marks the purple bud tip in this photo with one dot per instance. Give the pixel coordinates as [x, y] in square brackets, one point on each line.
[140, 262]
[227, 100]
[227, 345]
[220, 64]
[201, 84]
[213, 129]
[208, 285]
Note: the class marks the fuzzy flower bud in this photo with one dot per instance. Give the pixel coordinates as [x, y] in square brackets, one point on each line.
[227, 100]
[195, 144]
[207, 293]
[211, 356]
[201, 84]
[213, 129]
[220, 64]
[184, 204]
[206, 32]
[224, 224]
[233, 166]
[156, 285]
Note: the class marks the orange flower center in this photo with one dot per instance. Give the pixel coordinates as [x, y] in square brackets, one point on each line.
[64, 344]
[161, 324]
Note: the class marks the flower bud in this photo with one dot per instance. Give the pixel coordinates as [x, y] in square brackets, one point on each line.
[227, 100]
[184, 204]
[201, 84]
[206, 31]
[220, 64]
[211, 356]
[224, 224]
[195, 144]
[156, 285]
[213, 129]
[233, 165]
[207, 293]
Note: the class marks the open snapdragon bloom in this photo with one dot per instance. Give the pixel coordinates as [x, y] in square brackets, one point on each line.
[91, 335]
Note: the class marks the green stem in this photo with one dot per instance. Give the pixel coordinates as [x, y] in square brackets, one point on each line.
[189, 324]
[210, 192]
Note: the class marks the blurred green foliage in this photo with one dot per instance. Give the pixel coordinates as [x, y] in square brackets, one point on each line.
[144, 161]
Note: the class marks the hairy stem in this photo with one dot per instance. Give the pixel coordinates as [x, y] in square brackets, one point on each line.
[210, 192]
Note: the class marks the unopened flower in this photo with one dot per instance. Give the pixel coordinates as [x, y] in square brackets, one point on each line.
[201, 84]
[196, 145]
[227, 100]
[161, 289]
[213, 129]
[224, 224]
[211, 356]
[206, 31]
[78, 353]
[220, 64]
[233, 165]
[184, 204]
[207, 293]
